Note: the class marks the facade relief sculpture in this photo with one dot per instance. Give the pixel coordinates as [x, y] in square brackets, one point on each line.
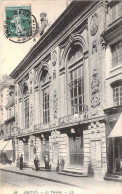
[95, 99]
[55, 105]
[19, 92]
[54, 74]
[94, 46]
[31, 114]
[94, 24]
[36, 76]
[54, 57]
[31, 77]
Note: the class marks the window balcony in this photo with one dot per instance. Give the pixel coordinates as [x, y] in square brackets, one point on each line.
[73, 118]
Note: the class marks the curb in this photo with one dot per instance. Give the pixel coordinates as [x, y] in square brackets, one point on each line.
[44, 178]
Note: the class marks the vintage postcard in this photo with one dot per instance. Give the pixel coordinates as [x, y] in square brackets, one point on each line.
[60, 96]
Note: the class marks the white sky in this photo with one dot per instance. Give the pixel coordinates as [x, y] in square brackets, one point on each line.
[12, 53]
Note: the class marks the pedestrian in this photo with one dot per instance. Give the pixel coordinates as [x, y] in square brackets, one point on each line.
[21, 162]
[36, 161]
[46, 160]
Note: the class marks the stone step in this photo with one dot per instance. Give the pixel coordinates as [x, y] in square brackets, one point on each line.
[119, 179]
[72, 174]
[113, 175]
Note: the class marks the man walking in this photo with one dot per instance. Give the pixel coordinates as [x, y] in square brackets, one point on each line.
[36, 161]
[21, 162]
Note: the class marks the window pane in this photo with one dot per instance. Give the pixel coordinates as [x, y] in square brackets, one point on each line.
[117, 93]
[46, 105]
[76, 89]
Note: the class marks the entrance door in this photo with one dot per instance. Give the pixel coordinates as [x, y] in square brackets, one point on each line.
[76, 155]
[45, 148]
[118, 154]
[26, 154]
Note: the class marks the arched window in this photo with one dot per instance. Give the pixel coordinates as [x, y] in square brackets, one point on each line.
[75, 78]
[45, 96]
[26, 106]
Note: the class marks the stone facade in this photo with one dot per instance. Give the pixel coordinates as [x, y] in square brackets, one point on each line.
[50, 119]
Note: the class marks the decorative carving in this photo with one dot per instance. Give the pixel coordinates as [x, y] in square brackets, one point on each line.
[71, 39]
[30, 90]
[44, 23]
[61, 49]
[19, 92]
[31, 115]
[54, 74]
[55, 104]
[95, 100]
[16, 119]
[54, 57]
[94, 46]
[36, 76]
[31, 77]
[55, 134]
[94, 24]
[103, 43]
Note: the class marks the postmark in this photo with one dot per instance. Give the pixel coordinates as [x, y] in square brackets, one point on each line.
[20, 25]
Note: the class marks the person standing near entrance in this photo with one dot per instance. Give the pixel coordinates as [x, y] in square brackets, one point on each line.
[46, 160]
[21, 162]
[36, 161]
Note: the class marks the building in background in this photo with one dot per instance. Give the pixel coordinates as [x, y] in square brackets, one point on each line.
[62, 89]
[7, 117]
[113, 64]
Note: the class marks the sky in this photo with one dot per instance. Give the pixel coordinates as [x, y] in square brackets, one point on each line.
[12, 53]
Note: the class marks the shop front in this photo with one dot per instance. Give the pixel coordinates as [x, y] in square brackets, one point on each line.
[115, 139]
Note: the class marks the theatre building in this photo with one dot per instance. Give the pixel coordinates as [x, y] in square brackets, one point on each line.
[60, 92]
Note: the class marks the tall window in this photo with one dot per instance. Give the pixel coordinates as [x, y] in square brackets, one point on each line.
[46, 111]
[76, 90]
[26, 112]
[76, 83]
[117, 54]
[117, 93]
[45, 95]
[26, 106]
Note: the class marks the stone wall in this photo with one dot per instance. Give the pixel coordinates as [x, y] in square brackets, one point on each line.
[95, 149]
[58, 145]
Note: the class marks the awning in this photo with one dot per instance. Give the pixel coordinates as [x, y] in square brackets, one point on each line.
[6, 145]
[117, 130]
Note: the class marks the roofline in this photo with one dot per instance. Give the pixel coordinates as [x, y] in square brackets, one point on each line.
[52, 27]
[46, 34]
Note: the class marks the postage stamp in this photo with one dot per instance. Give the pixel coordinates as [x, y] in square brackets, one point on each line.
[20, 25]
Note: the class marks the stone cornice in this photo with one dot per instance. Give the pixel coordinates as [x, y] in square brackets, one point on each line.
[51, 33]
[113, 32]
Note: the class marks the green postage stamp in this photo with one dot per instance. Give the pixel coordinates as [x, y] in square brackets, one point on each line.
[20, 24]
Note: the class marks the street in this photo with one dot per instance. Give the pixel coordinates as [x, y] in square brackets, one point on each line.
[17, 184]
[12, 183]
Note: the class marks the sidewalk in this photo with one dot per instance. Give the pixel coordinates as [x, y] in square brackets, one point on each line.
[79, 182]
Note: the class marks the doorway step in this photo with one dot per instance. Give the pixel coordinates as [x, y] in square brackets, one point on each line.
[116, 176]
[26, 165]
[73, 172]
